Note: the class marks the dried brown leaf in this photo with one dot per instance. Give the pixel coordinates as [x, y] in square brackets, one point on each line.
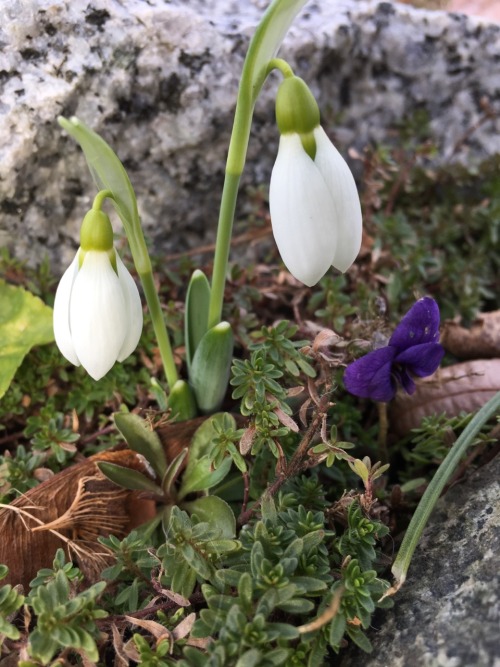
[121, 658]
[155, 629]
[481, 341]
[185, 626]
[286, 420]
[247, 439]
[462, 387]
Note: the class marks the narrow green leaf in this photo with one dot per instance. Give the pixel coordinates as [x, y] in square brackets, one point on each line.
[106, 169]
[142, 439]
[196, 313]
[129, 479]
[173, 470]
[25, 321]
[433, 491]
[211, 367]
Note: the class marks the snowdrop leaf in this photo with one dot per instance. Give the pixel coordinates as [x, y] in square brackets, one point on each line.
[25, 321]
[196, 317]
[266, 41]
[211, 367]
[106, 169]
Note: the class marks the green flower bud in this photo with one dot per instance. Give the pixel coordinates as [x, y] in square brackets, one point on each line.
[297, 111]
[96, 232]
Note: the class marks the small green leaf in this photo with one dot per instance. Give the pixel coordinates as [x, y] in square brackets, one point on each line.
[129, 479]
[360, 469]
[196, 313]
[25, 321]
[216, 512]
[211, 367]
[142, 439]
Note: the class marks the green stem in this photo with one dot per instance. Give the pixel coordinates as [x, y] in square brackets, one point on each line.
[234, 168]
[159, 326]
[100, 197]
[250, 86]
[383, 427]
[438, 482]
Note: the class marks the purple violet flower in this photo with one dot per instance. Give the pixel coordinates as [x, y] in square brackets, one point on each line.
[413, 350]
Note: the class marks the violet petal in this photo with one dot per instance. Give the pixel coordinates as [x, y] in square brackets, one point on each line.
[419, 325]
[421, 360]
[370, 376]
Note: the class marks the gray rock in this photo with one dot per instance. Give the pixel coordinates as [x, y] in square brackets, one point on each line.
[159, 80]
[448, 612]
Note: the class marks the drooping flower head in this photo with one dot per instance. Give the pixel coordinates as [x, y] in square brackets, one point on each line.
[413, 351]
[313, 200]
[97, 308]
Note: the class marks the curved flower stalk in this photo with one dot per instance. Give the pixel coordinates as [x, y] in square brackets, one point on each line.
[97, 308]
[313, 199]
[413, 351]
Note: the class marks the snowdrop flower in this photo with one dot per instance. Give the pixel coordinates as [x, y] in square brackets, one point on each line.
[413, 351]
[313, 199]
[97, 308]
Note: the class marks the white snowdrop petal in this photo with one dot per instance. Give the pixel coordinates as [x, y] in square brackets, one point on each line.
[302, 213]
[134, 311]
[97, 314]
[342, 187]
[62, 331]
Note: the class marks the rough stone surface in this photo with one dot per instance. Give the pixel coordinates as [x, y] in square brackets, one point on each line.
[158, 80]
[448, 612]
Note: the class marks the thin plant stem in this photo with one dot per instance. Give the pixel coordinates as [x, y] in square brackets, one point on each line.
[383, 426]
[159, 327]
[437, 484]
[252, 80]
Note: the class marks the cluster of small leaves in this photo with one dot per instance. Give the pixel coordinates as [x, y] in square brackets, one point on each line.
[359, 539]
[280, 349]
[332, 303]
[49, 434]
[17, 473]
[261, 397]
[130, 572]
[66, 617]
[286, 573]
[10, 602]
[159, 656]
[431, 441]
[192, 551]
